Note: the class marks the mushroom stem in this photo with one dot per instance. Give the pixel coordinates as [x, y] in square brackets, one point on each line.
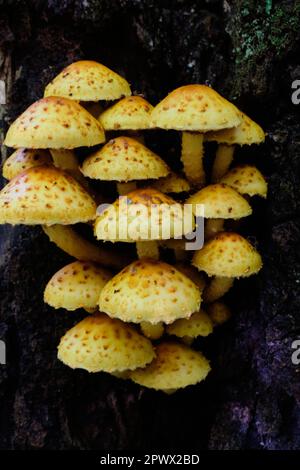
[125, 188]
[68, 240]
[90, 309]
[192, 157]
[67, 160]
[217, 288]
[223, 159]
[212, 227]
[93, 107]
[147, 249]
[152, 331]
[187, 340]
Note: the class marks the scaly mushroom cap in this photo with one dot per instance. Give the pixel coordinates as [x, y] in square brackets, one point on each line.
[172, 183]
[228, 255]
[131, 113]
[175, 366]
[54, 123]
[246, 133]
[77, 285]
[45, 195]
[124, 159]
[220, 202]
[87, 80]
[99, 343]
[152, 331]
[22, 159]
[246, 179]
[199, 324]
[195, 108]
[151, 291]
[143, 214]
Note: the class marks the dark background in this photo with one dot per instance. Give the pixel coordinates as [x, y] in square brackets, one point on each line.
[249, 51]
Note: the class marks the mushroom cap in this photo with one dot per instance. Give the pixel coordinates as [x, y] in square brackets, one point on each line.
[220, 202]
[152, 331]
[124, 159]
[195, 108]
[54, 123]
[143, 214]
[172, 183]
[45, 195]
[228, 254]
[199, 324]
[219, 313]
[77, 285]
[99, 343]
[130, 113]
[246, 179]
[87, 80]
[175, 366]
[246, 133]
[151, 291]
[22, 159]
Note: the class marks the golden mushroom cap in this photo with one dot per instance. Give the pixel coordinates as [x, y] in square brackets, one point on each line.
[219, 313]
[220, 202]
[130, 113]
[143, 214]
[199, 324]
[195, 108]
[228, 254]
[87, 80]
[175, 366]
[124, 159]
[172, 183]
[246, 179]
[45, 195]
[99, 343]
[151, 291]
[54, 123]
[77, 285]
[22, 159]
[247, 132]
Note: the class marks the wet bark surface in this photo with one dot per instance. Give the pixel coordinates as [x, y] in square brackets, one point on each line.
[249, 51]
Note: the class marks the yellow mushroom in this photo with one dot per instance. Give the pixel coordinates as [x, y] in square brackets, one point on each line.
[22, 159]
[219, 313]
[247, 180]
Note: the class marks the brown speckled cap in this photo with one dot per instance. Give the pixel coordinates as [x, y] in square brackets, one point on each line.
[246, 133]
[246, 179]
[99, 343]
[228, 254]
[77, 285]
[124, 159]
[220, 202]
[196, 108]
[54, 123]
[87, 80]
[175, 366]
[199, 324]
[139, 212]
[152, 291]
[130, 113]
[172, 183]
[22, 159]
[45, 195]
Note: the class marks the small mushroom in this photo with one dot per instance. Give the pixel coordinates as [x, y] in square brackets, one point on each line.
[194, 110]
[143, 216]
[22, 159]
[45, 195]
[87, 80]
[152, 331]
[199, 324]
[124, 159]
[99, 343]
[151, 291]
[68, 240]
[219, 313]
[77, 285]
[247, 180]
[219, 202]
[172, 184]
[247, 132]
[227, 256]
[175, 366]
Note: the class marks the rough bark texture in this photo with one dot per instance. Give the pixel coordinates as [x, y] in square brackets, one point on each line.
[249, 51]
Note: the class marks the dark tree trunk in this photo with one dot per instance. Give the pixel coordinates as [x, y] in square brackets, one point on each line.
[249, 51]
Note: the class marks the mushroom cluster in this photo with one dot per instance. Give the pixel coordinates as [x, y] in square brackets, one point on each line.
[143, 313]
